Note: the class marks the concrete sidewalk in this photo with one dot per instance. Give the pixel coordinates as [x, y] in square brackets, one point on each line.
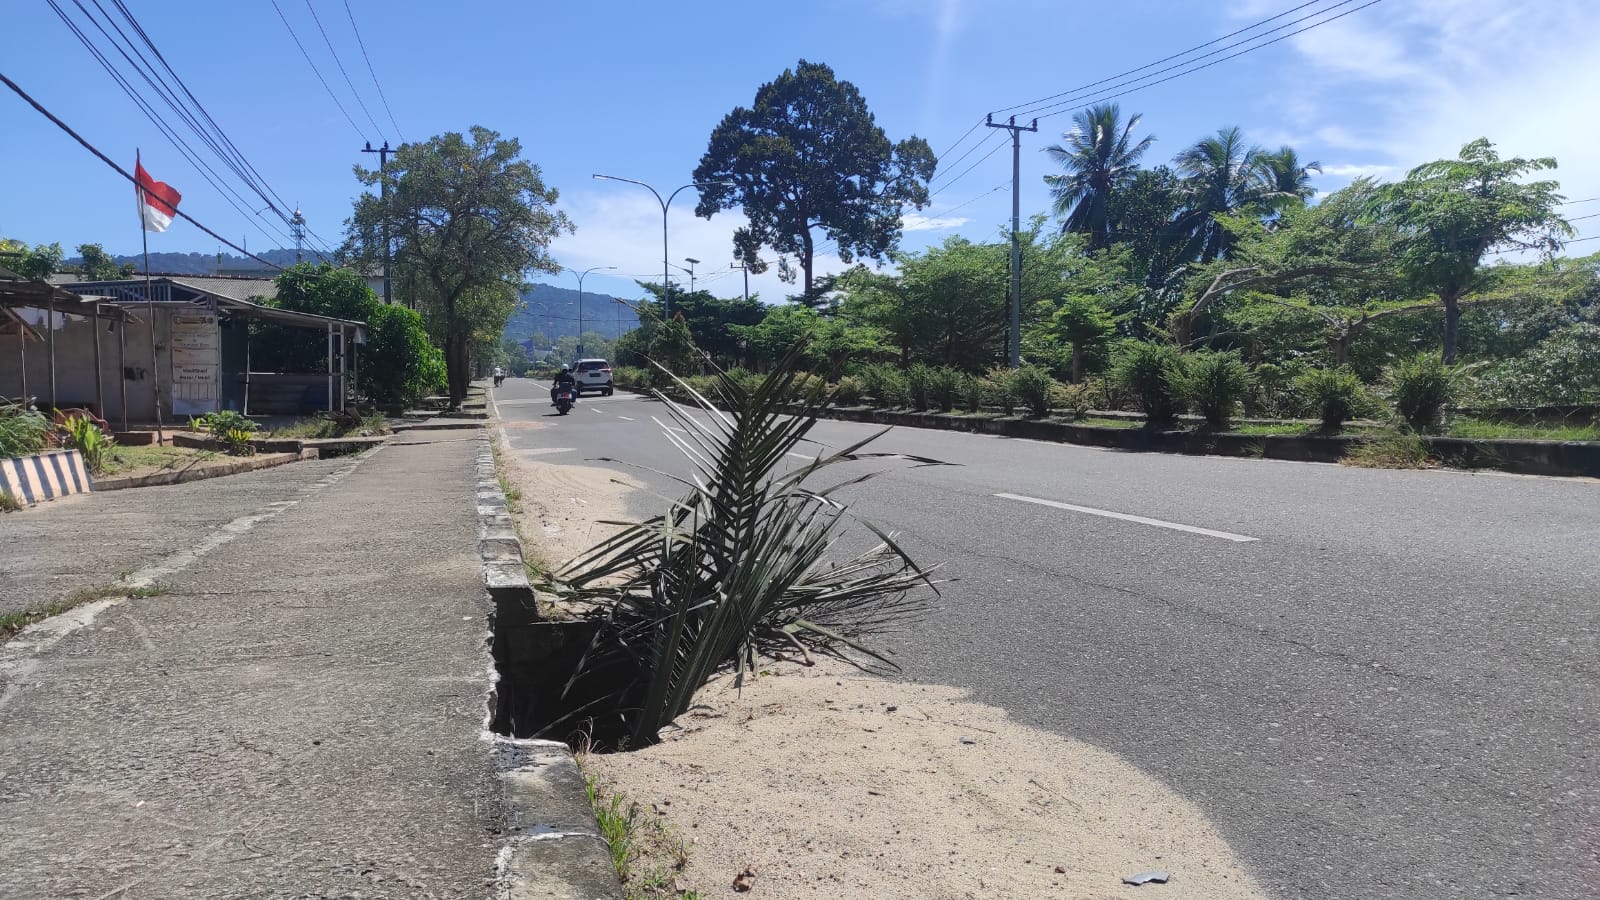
[299, 714]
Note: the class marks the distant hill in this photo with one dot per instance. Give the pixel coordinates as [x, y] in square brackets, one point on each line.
[208, 264]
[553, 311]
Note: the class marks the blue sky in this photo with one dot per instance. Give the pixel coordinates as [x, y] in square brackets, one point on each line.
[634, 89]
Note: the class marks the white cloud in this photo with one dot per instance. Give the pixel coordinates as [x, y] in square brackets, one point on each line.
[622, 228]
[919, 222]
[1407, 82]
[1356, 170]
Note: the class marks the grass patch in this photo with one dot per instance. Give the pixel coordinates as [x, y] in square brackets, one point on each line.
[1100, 422]
[512, 494]
[123, 460]
[1474, 428]
[646, 852]
[1392, 451]
[1269, 428]
[9, 503]
[11, 623]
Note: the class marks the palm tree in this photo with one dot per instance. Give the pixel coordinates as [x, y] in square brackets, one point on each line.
[1100, 156]
[1286, 181]
[1222, 176]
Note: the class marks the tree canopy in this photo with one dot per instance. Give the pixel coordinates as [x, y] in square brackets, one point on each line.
[806, 155]
[468, 218]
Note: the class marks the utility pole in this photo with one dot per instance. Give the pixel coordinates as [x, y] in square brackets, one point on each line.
[1014, 329]
[581, 276]
[746, 270]
[383, 191]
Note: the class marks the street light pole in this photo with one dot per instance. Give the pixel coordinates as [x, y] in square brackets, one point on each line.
[581, 276]
[692, 263]
[666, 268]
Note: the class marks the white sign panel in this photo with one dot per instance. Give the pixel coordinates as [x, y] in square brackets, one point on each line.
[196, 364]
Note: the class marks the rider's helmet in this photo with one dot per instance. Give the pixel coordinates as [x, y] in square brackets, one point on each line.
[566, 368]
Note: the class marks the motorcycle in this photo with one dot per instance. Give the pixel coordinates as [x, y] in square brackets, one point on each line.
[565, 397]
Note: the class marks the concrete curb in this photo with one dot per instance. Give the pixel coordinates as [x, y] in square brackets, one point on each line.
[202, 472]
[1526, 457]
[554, 849]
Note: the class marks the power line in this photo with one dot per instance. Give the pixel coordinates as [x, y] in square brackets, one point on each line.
[975, 126]
[120, 170]
[363, 45]
[331, 95]
[1581, 218]
[995, 189]
[970, 150]
[997, 148]
[228, 142]
[336, 61]
[1084, 87]
[1071, 105]
[1571, 202]
[205, 171]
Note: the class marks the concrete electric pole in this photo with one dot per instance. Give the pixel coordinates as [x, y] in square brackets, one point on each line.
[1014, 329]
[383, 188]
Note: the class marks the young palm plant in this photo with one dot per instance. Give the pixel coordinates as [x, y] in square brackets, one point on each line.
[742, 563]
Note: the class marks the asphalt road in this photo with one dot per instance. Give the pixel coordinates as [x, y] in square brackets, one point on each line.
[1375, 683]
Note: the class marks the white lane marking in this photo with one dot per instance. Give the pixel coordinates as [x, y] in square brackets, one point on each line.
[544, 451]
[625, 418]
[1227, 536]
[804, 457]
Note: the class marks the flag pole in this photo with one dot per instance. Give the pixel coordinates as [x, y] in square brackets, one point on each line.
[149, 303]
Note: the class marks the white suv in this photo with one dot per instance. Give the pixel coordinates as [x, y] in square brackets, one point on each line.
[593, 375]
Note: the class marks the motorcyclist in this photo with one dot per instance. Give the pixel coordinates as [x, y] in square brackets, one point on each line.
[563, 379]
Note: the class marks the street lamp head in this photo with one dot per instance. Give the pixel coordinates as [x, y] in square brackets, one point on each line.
[691, 260]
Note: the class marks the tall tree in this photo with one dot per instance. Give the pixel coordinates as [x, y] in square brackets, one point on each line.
[98, 265]
[1101, 157]
[1286, 181]
[1456, 211]
[469, 219]
[808, 155]
[1222, 176]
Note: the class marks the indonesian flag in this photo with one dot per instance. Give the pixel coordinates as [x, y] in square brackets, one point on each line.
[158, 202]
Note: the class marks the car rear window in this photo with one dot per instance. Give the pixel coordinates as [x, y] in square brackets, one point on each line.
[591, 366]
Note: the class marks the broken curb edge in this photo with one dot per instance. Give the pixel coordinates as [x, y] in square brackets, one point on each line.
[553, 845]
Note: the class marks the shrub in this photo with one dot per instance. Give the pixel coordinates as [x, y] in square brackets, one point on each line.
[399, 365]
[1333, 394]
[972, 393]
[629, 377]
[944, 387]
[745, 563]
[1213, 383]
[808, 385]
[1073, 401]
[919, 386]
[84, 436]
[1421, 388]
[885, 385]
[1032, 386]
[1151, 375]
[999, 387]
[1562, 370]
[229, 427]
[849, 391]
[22, 430]
[1276, 392]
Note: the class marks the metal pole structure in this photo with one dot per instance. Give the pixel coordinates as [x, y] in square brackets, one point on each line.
[581, 276]
[99, 375]
[666, 268]
[150, 313]
[50, 343]
[330, 367]
[22, 355]
[122, 366]
[1014, 326]
[344, 367]
[746, 270]
[383, 192]
[246, 410]
[692, 263]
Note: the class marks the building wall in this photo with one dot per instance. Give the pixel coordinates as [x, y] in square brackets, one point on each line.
[75, 369]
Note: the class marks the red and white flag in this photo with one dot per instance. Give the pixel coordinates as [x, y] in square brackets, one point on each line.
[158, 202]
